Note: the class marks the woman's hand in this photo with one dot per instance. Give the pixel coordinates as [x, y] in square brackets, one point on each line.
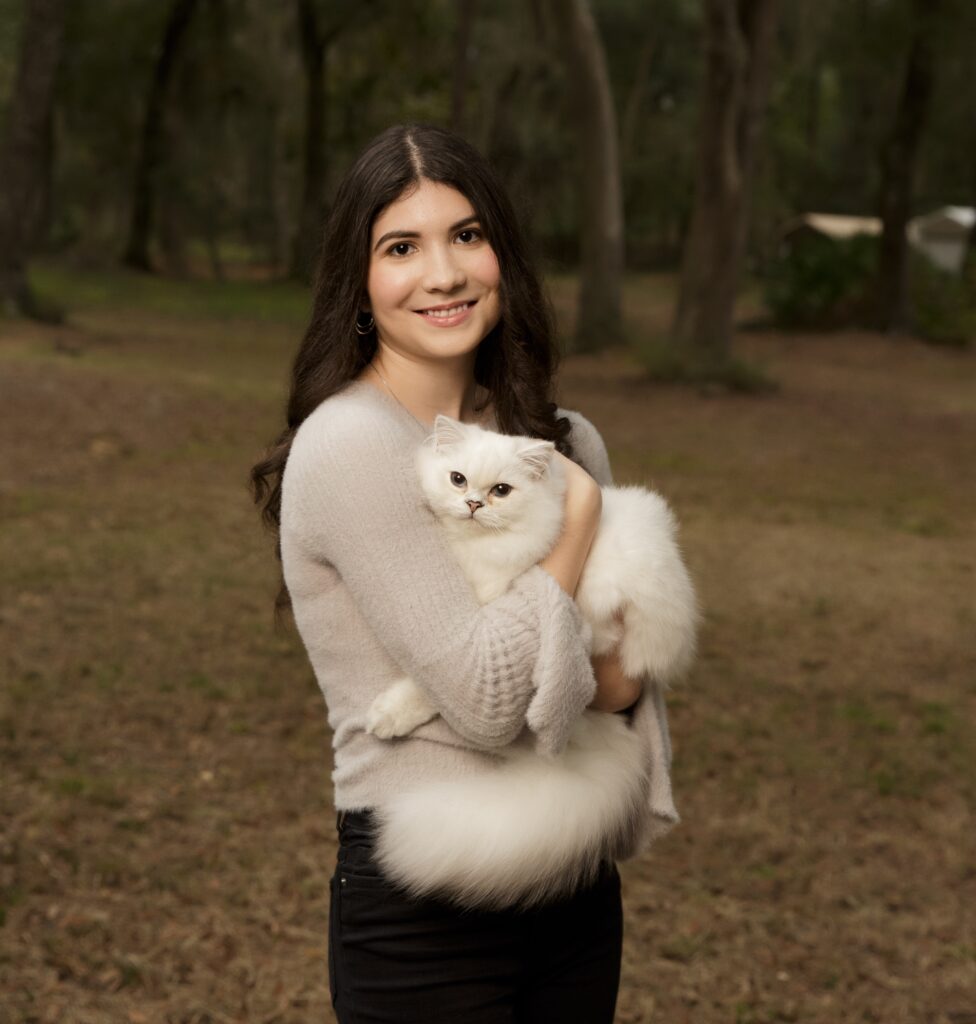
[614, 690]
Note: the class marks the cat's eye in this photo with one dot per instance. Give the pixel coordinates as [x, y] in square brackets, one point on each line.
[501, 490]
[458, 479]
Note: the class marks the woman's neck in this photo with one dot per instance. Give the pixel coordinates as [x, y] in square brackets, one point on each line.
[426, 389]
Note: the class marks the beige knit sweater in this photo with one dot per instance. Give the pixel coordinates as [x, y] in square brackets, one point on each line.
[377, 594]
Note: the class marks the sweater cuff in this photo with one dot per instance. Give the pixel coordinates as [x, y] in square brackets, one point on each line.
[563, 676]
[650, 722]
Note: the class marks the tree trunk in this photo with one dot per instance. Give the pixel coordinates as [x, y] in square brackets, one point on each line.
[738, 43]
[462, 59]
[599, 321]
[172, 237]
[263, 223]
[898, 159]
[151, 145]
[970, 258]
[635, 98]
[314, 43]
[24, 149]
[498, 139]
[40, 228]
[212, 240]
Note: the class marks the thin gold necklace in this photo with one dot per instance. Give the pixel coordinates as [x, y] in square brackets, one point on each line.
[427, 427]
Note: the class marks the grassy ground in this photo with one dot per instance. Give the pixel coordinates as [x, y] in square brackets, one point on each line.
[166, 836]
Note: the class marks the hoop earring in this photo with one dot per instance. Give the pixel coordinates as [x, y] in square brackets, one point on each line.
[364, 328]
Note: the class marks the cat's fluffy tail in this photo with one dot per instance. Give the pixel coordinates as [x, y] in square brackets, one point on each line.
[466, 839]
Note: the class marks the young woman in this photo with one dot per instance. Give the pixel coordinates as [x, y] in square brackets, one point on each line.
[425, 303]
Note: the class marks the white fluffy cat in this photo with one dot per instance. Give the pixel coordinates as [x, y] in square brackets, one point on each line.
[536, 826]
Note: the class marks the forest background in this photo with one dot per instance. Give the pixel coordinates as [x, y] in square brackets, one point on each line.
[806, 403]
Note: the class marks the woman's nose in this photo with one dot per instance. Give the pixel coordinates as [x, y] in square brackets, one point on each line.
[443, 271]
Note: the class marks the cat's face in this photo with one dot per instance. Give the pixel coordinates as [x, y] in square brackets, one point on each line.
[493, 481]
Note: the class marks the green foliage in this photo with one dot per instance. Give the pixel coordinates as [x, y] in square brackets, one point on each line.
[821, 283]
[943, 305]
[655, 69]
[11, 16]
[103, 78]
[817, 282]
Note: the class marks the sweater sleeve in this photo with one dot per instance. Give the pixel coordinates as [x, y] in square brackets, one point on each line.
[589, 448]
[351, 497]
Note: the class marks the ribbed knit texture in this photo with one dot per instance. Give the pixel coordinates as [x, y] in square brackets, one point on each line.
[377, 594]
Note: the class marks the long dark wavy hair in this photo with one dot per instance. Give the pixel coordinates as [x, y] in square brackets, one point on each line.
[516, 361]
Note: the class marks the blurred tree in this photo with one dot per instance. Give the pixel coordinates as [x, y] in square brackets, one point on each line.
[947, 160]
[797, 160]
[150, 155]
[314, 39]
[231, 179]
[898, 162]
[598, 321]
[738, 43]
[317, 31]
[465, 12]
[518, 76]
[652, 54]
[26, 152]
[637, 93]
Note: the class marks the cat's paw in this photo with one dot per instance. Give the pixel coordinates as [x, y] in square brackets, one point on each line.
[394, 713]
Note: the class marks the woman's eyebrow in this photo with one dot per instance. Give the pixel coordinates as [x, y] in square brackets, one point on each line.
[416, 234]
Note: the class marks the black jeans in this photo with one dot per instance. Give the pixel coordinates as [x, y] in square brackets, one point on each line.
[395, 958]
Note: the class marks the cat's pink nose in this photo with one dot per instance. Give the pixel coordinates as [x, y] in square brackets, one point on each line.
[472, 504]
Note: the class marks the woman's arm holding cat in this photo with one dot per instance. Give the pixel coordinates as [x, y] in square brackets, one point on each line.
[583, 504]
[614, 690]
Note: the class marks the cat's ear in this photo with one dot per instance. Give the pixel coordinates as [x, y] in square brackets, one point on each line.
[447, 432]
[535, 457]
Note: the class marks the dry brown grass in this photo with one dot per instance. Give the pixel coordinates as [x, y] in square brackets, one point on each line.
[167, 836]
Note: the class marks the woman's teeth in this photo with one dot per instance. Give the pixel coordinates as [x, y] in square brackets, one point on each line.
[453, 311]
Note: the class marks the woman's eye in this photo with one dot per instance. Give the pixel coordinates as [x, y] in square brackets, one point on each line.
[458, 480]
[469, 231]
[501, 490]
[393, 250]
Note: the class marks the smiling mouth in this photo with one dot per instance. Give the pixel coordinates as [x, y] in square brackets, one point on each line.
[443, 314]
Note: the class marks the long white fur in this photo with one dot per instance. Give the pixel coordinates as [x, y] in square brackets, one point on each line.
[536, 826]
[635, 565]
[530, 830]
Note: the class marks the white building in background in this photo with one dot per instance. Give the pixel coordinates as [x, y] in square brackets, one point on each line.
[837, 226]
[943, 235]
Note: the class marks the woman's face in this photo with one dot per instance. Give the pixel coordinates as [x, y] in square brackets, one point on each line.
[433, 279]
